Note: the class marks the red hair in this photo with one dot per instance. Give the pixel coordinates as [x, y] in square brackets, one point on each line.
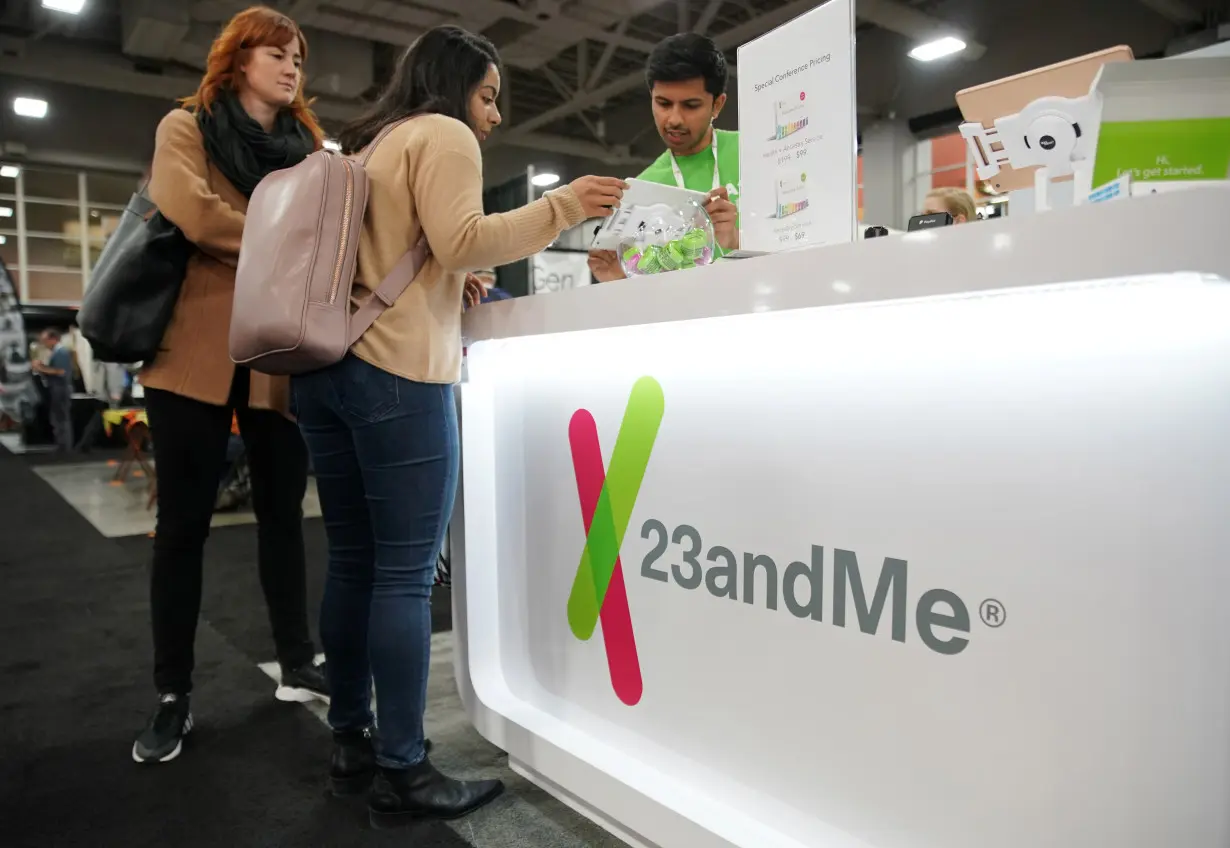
[258, 26]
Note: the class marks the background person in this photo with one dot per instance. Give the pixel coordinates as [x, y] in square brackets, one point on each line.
[686, 75]
[956, 202]
[382, 424]
[57, 374]
[248, 118]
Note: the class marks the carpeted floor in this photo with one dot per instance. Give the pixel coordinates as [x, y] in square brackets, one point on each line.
[74, 688]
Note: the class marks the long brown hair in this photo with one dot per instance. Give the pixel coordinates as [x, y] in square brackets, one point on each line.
[258, 26]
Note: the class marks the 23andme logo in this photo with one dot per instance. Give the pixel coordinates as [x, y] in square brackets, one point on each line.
[607, 497]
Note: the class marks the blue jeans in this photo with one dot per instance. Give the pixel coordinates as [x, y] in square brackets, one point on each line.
[385, 450]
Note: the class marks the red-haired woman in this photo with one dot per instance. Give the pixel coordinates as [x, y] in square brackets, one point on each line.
[247, 118]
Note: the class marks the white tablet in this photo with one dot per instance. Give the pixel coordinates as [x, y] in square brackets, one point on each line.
[639, 202]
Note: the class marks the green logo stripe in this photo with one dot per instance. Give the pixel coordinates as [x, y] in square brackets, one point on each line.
[637, 433]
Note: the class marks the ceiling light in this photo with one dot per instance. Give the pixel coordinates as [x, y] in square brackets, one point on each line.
[937, 49]
[9, 172]
[546, 178]
[4, 240]
[6, 211]
[330, 144]
[70, 7]
[30, 107]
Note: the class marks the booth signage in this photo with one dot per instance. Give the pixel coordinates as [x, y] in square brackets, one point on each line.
[865, 573]
[607, 498]
[797, 136]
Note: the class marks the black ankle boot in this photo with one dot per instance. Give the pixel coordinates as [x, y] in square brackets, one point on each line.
[353, 764]
[400, 797]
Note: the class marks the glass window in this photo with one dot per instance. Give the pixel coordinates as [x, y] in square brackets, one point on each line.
[102, 223]
[111, 189]
[54, 219]
[8, 251]
[50, 185]
[15, 279]
[53, 252]
[55, 285]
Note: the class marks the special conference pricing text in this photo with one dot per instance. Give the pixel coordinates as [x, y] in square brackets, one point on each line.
[785, 75]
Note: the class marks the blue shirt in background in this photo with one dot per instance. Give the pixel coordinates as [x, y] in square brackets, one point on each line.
[495, 293]
[61, 358]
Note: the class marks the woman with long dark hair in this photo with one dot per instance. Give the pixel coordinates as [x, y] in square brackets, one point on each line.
[381, 424]
[247, 118]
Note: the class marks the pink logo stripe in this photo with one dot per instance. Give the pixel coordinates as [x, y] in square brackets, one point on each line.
[616, 617]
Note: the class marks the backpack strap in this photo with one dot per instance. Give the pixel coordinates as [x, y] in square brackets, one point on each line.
[403, 273]
[390, 288]
[371, 148]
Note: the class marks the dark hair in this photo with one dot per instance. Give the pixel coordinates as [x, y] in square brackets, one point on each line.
[687, 56]
[54, 332]
[437, 74]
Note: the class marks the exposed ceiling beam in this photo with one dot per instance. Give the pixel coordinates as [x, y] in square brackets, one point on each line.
[573, 27]
[605, 58]
[303, 8]
[706, 17]
[582, 63]
[538, 46]
[889, 14]
[70, 66]
[566, 91]
[597, 96]
[1176, 11]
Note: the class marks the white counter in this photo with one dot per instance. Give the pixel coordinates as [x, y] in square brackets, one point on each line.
[929, 550]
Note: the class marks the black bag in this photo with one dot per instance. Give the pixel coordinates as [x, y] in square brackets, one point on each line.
[134, 286]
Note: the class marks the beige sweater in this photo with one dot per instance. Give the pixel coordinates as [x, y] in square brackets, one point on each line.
[427, 176]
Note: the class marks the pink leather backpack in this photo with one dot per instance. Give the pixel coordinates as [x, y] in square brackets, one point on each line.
[297, 266]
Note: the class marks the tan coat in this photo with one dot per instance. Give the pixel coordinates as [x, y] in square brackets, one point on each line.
[194, 360]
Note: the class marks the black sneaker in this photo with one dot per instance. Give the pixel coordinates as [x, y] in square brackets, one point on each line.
[303, 684]
[162, 740]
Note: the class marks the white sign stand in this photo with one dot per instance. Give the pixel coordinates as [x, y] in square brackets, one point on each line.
[798, 159]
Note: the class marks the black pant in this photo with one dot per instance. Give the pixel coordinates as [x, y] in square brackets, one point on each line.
[190, 441]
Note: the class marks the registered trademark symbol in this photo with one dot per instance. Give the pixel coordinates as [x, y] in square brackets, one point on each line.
[993, 613]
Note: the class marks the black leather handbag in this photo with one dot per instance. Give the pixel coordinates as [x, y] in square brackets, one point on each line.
[134, 286]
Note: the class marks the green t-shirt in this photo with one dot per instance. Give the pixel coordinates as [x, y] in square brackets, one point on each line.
[697, 169]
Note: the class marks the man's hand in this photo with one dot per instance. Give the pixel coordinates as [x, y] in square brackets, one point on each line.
[605, 267]
[474, 292]
[724, 216]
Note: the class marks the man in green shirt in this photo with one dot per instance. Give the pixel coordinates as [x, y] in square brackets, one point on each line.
[686, 75]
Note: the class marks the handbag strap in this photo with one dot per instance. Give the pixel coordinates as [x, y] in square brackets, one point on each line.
[403, 272]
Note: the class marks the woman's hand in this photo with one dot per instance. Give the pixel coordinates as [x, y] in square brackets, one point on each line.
[474, 292]
[599, 196]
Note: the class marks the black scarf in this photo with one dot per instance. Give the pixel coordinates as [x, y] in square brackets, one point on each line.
[242, 150]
